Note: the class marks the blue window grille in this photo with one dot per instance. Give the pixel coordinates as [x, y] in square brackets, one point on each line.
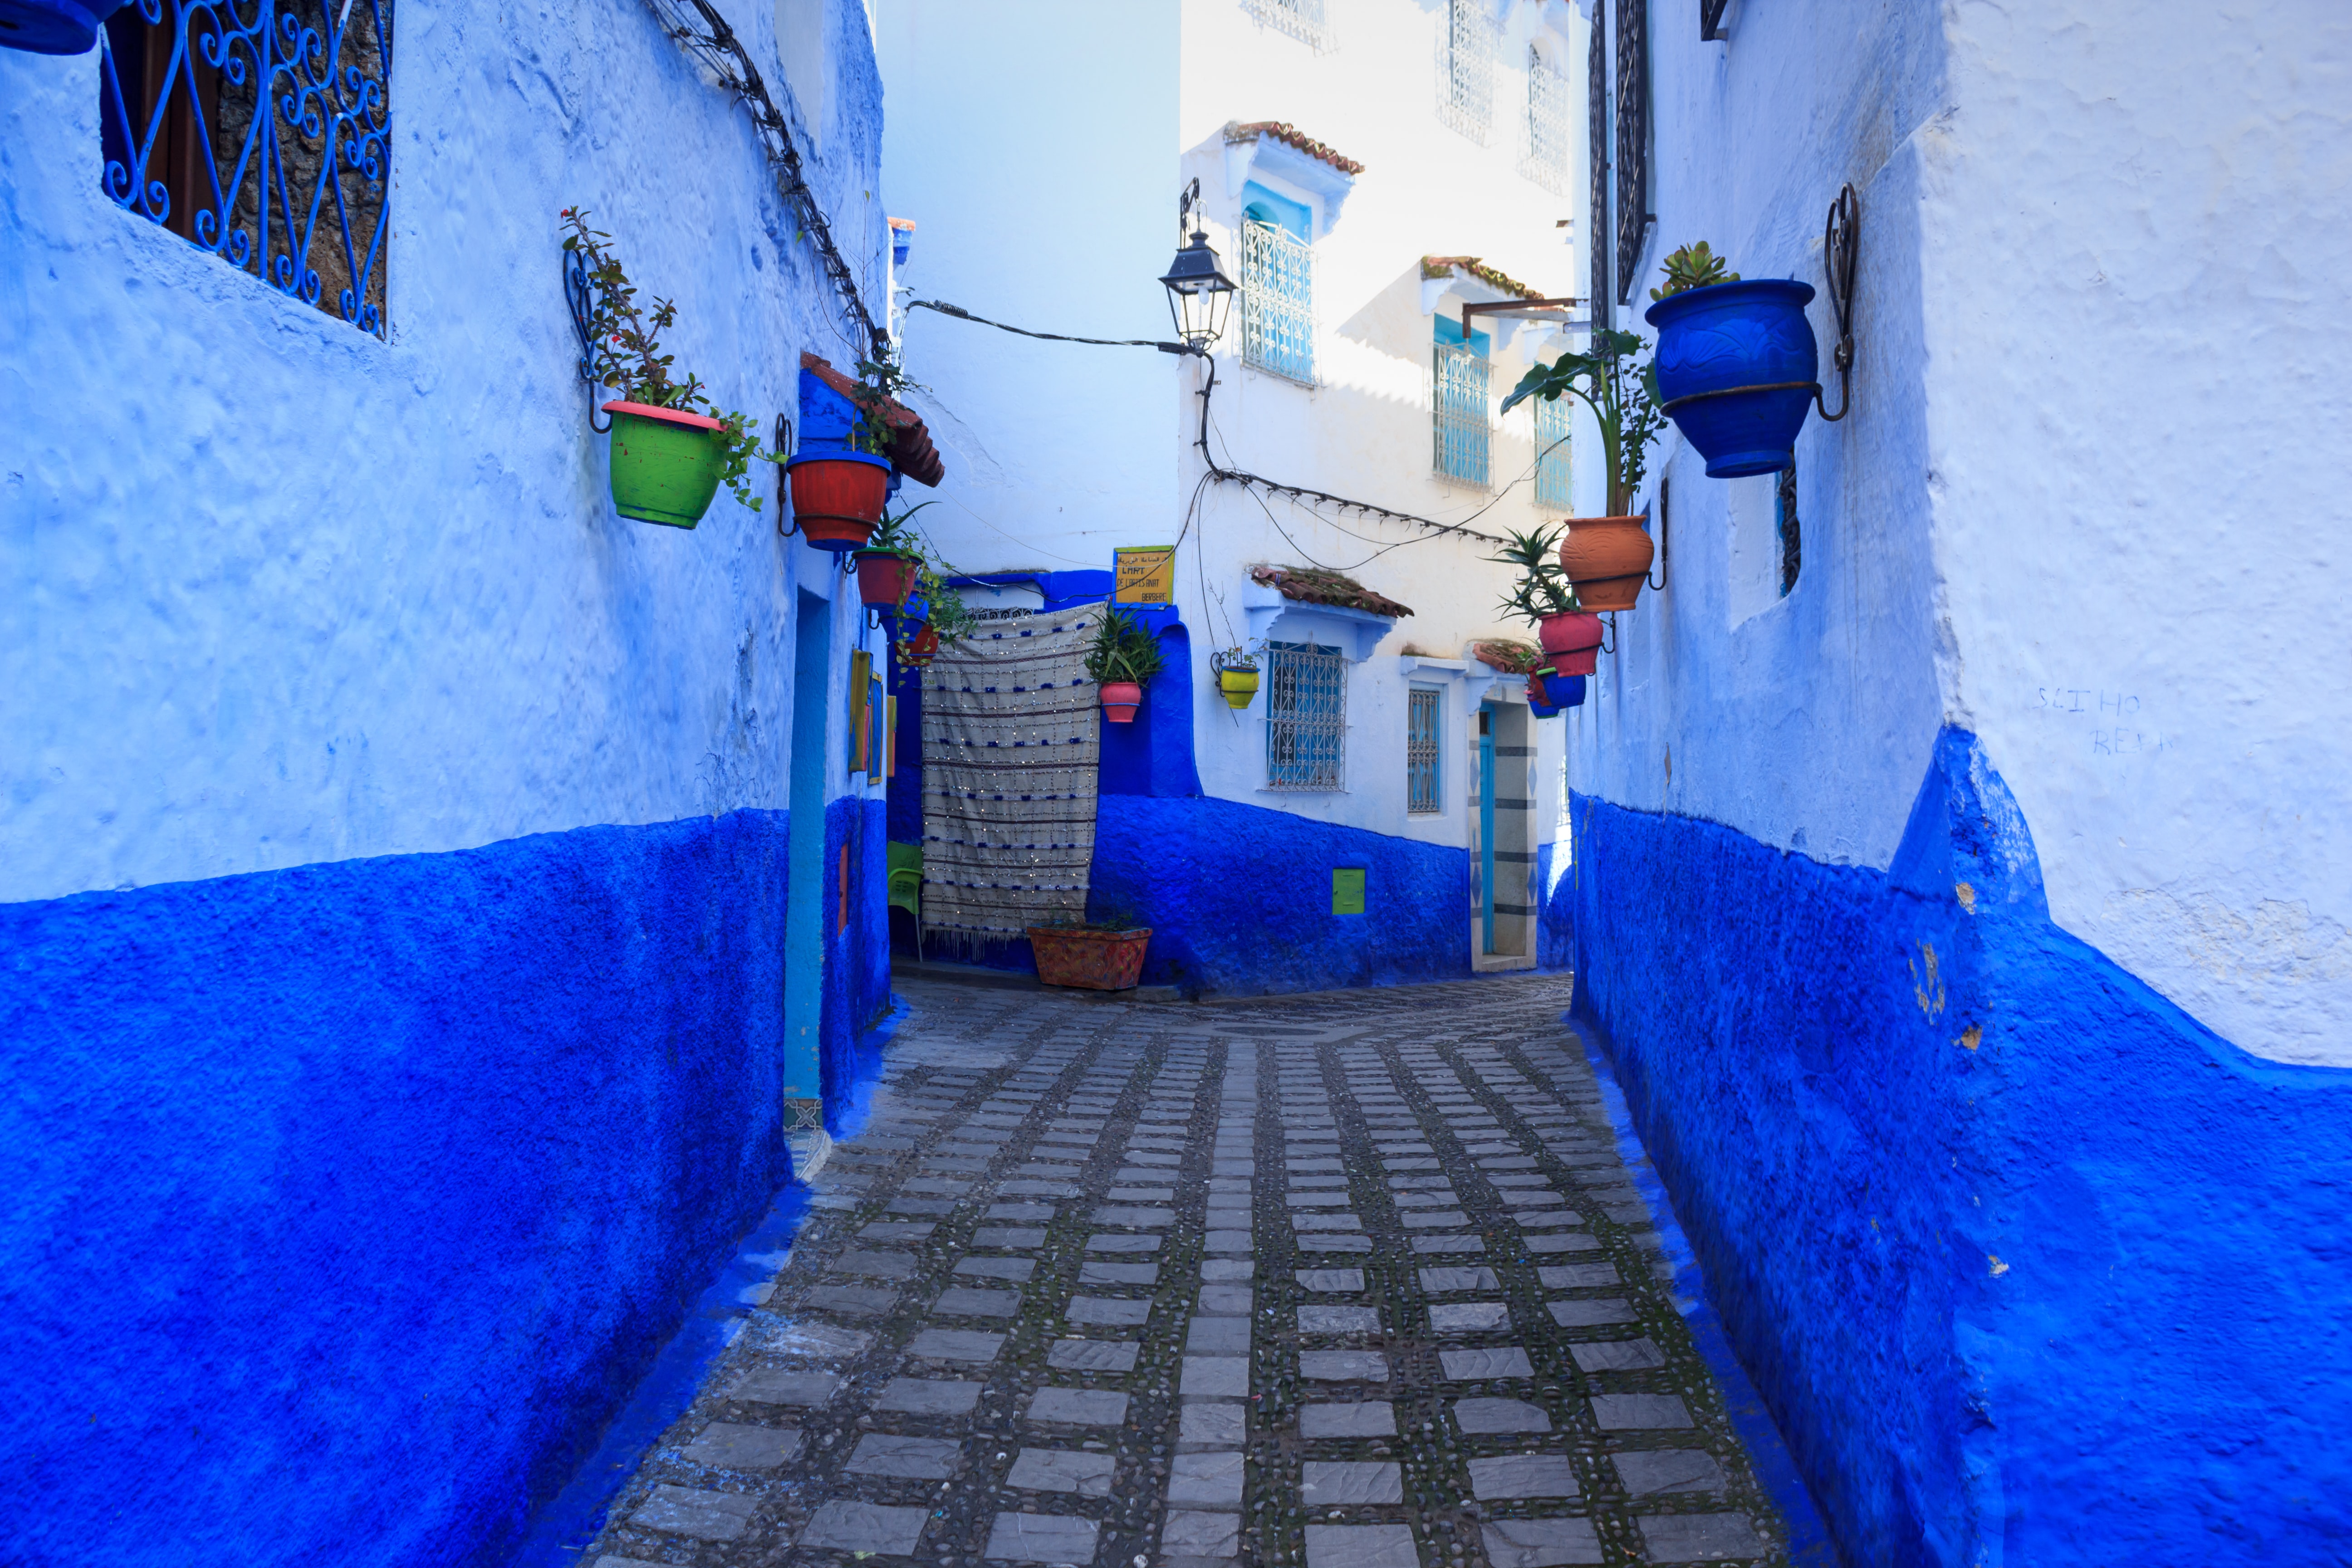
[1277, 286]
[1421, 770]
[1543, 156]
[1555, 475]
[1306, 716]
[1464, 433]
[259, 129]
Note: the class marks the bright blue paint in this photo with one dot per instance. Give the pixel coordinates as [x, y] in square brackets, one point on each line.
[1293, 218]
[356, 1197]
[1450, 332]
[1734, 335]
[812, 680]
[2162, 1371]
[1485, 829]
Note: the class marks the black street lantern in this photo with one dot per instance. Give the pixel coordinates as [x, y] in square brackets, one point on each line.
[1199, 292]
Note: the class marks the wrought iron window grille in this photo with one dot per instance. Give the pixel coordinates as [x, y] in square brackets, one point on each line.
[259, 130]
[1710, 21]
[1278, 302]
[1555, 471]
[1300, 19]
[1464, 433]
[1544, 158]
[1466, 69]
[1421, 796]
[1596, 152]
[1632, 104]
[1306, 716]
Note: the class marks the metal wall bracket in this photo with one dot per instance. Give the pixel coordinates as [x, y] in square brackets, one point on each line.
[580, 295]
[1841, 232]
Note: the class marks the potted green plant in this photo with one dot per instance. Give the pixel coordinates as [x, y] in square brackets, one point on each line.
[672, 447]
[1736, 363]
[1237, 672]
[1124, 655]
[1607, 559]
[886, 567]
[1542, 595]
[1103, 955]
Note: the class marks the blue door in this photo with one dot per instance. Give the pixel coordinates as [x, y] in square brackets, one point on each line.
[1485, 829]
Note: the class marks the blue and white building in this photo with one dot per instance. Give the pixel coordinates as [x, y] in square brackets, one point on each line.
[408, 864]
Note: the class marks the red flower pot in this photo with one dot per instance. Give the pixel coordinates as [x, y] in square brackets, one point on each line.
[1608, 559]
[920, 648]
[1093, 960]
[885, 577]
[838, 500]
[1121, 699]
[1573, 640]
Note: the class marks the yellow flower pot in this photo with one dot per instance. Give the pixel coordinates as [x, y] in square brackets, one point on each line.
[1238, 685]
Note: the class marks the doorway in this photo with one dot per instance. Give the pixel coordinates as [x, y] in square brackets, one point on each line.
[805, 890]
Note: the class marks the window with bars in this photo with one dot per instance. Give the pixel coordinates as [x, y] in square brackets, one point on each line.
[1421, 773]
[1632, 117]
[1277, 286]
[1544, 158]
[260, 131]
[1596, 155]
[1466, 69]
[1458, 396]
[1554, 474]
[1306, 715]
[1302, 19]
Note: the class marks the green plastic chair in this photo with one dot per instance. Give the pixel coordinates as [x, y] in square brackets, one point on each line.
[907, 885]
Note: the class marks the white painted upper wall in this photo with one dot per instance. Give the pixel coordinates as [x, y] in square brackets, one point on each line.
[281, 593]
[2086, 503]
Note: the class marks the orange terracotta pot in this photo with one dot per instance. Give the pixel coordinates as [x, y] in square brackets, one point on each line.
[1608, 559]
[1093, 960]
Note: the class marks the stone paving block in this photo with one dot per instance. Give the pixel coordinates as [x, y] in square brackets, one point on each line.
[964, 1301]
[956, 1344]
[1062, 1470]
[1009, 1235]
[802, 1388]
[1562, 1241]
[810, 1340]
[1640, 1412]
[915, 1459]
[1417, 1164]
[919, 1206]
[1042, 1538]
[1468, 1317]
[1187, 1534]
[1078, 1406]
[1577, 1275]
[1480, 1417]
[1338, 1320]
[1648, 1472]
[704, 1515]
[1343, 1366]
[1700, 1537]
[1206, 1480]
[1324, 1164]
[1541, 1542]
[609, 1560]
[1617, 1355]
[927, 1396]
[1465, 1366]
[1507, 1476]
[1333, 1483]
[1432, 1243]
[1225, 1270]
[1092, 1273]
[731, 1446]
[1137, 1219]
[1116, 1242]
[1316, 1222]
[1107, 1311]
[1336, 1197]
[1218, 1336]
[876, 1265]
[1337, 1242]
[851, 1300]
[1216, 1377]
[1508, 1163]
[1228, 1241]
[1361, 1546]
[1592, 1314]
[1227, 1300]
[997, 1267]
[1210, 1421]
[1023, 1210]
[1230, 1168]
[1332, 1281]
[1093, 1355]
[1136, 1195]
[1363, 1418]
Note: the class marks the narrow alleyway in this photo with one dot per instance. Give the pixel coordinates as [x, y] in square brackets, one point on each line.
[1356, 1281]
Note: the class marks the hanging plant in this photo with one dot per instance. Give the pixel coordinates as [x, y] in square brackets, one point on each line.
[889, 565]
[1544, 596]
[1736, 363]
[1607, 559]
[1237, 672]
[1124, 655]
[672, 447]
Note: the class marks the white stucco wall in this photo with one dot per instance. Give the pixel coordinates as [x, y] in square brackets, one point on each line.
[278, 592]
[2084, 505]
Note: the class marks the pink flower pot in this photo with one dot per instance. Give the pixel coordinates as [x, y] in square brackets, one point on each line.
[1573, 641]
[1121, 699]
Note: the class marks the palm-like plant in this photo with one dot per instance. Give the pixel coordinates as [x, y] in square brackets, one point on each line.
[1624, 398]
[1542, 588]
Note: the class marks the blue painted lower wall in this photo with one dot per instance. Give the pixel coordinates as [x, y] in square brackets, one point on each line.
[347, 1203]
[1238, 898]
[2031, 1266]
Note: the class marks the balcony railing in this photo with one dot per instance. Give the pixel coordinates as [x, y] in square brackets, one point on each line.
[1278, 302]
[1464, 433]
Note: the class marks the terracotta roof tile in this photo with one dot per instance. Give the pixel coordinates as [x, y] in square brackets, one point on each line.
[1444, 266]
[1320, 585]
[911, 448]
[1509, 655]
[1291, 136]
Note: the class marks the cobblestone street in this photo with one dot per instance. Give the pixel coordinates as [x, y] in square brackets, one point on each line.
[1353, 1281]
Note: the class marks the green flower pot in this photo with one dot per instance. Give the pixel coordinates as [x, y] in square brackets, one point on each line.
[666, 463]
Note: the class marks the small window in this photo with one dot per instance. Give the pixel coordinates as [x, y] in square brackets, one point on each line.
[1459, 398]
[1302, 19]
[263, 136]
[1420, 777]
[1555, 476]
[1465, 69]
[1784, 509]
[1306, 716]
[1277, 285]
[1544, 157]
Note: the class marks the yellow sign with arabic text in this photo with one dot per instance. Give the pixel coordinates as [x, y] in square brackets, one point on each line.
[1144, 574]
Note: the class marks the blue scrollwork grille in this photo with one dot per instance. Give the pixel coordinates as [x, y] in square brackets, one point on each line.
[259, 129]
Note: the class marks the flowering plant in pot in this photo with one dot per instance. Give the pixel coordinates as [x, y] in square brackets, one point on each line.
[841, 487]
[1736, 361]
[1124, 655]
[1607, 559]
[1236, 671]
[932, 613]
[1542, 594]
[886, 567]
[672, 447]
[1100, 955]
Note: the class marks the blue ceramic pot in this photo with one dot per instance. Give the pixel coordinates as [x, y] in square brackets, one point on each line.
[916, 610]
[1731, 335]
[1543, 709]
[1563, 690]
[53, 26]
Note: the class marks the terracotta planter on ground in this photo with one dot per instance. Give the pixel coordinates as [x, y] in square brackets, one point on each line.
[1088, 958]
[1121, 699]
[838, 499]
[1608, 559]
[1573, 640]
